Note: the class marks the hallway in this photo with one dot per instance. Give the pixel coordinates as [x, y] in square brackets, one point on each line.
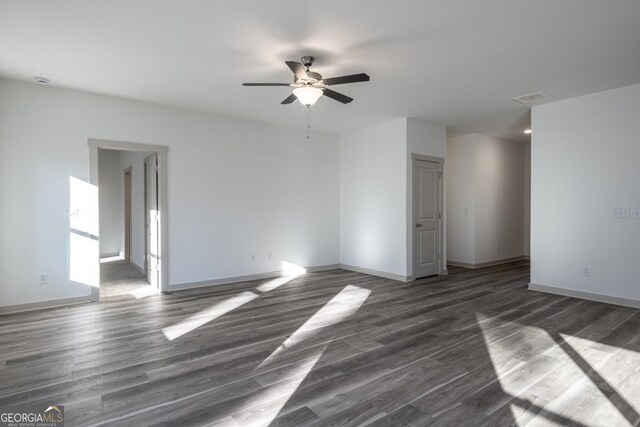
[118, 278]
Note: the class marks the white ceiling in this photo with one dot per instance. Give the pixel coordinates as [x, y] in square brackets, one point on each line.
[454, 62]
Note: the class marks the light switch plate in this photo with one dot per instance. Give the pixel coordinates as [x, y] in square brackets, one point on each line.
[620, 213]
[635, 213]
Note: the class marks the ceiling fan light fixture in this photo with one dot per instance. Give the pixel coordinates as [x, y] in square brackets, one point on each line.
[307, 95]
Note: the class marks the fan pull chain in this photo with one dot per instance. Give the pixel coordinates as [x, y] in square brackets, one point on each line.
[308, 123]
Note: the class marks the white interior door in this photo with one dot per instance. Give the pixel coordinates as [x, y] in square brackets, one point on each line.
[152, 221]
[427, 177]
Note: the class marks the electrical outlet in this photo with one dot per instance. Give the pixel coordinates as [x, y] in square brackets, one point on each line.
[269, 255]
[253, 257]
[586, 272]
[620, 213]
[499, 247]
[43, 278]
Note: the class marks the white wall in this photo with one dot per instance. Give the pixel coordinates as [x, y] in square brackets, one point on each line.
[111, 194]
[373, 197]
[236, 188]
[585, 154]
[486, 190]
[461, 222]
[499, 192]
[375, 192]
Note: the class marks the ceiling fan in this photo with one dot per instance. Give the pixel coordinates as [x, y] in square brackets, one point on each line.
[309, 86]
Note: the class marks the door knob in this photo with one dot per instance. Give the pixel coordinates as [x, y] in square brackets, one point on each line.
[418, 225]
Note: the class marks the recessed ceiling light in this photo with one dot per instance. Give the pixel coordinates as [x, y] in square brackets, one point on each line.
[41, 80]
[527, 131]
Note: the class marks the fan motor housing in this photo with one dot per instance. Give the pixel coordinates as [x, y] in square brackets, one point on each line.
[307, 61]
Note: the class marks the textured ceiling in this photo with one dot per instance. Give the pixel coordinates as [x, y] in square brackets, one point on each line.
[453, 62]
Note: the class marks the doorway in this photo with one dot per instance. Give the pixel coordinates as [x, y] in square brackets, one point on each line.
[427, 215]
[141, 262]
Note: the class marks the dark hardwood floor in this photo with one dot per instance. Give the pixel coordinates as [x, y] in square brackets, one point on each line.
[332, 348]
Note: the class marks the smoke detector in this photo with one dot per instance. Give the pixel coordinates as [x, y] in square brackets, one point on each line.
[532, 98]
[41, 80]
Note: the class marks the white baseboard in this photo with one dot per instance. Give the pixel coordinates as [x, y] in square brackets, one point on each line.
[40, 305]
[585, 295]
[111, 254]
[371, 272]
[486, 264]
[322, 268]
[246, 278]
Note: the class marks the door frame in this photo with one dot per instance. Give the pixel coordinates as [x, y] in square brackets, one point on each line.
[145, 226]
[145, 212]
[414, 212]
[163, 152]
[127, 212]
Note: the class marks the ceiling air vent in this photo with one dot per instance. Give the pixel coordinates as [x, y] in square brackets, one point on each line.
[532, 98]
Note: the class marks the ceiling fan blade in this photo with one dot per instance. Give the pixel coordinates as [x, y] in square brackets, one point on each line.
[337, 96]
[266, 84]
[298, 69]
[289, 99]
[353, 78]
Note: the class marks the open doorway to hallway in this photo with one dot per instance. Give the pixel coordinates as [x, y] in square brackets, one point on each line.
[128, 195]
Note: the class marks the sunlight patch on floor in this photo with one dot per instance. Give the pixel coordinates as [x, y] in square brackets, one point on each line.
[143, 292]
[583, 401]
[288, 271]
[207, 315]
[263, 408]
[610, 369]
[274, 283]
[340, 307]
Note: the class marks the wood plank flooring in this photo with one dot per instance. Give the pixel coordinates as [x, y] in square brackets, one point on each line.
[332, 348]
